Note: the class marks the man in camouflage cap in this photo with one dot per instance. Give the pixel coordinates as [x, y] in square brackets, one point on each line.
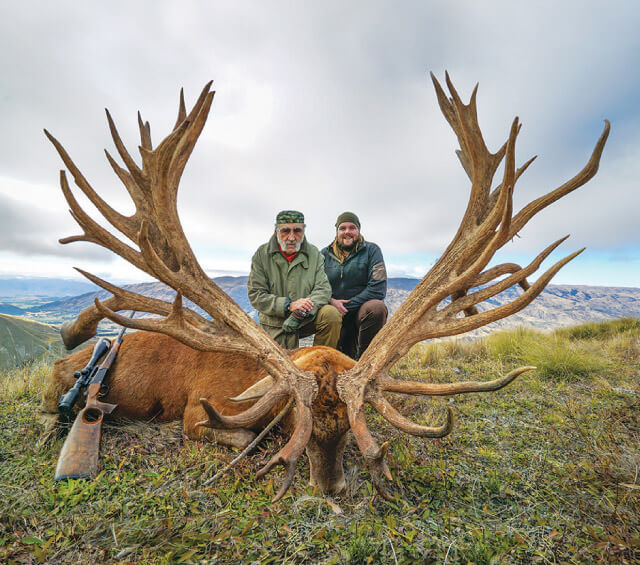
[358, 278]
[289, 288]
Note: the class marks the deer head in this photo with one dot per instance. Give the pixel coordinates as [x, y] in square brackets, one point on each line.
[442, 304]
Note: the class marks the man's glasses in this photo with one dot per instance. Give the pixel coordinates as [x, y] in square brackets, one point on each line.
[287, 231]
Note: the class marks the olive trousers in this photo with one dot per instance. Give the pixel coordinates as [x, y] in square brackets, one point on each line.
[325, 325]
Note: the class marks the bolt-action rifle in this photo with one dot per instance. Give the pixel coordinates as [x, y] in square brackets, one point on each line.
[79, 455]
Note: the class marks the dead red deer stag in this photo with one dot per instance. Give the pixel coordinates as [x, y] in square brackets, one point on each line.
[160, 375]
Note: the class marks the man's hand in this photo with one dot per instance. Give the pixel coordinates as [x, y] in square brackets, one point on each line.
[303, 305]
[339, 305]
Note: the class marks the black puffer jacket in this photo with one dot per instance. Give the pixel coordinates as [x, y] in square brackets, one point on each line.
[361, 277]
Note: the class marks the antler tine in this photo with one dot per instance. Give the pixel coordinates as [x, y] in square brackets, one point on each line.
[155, 165]
[479, 163]
[389, 413]
[95, 233]
[288, 456]
[177, 323]
[446, 105]
[584, 176]
[516, 278]
[389, 384]
[483, 219]
[496, 192]
[188, 141]
[132, 188]
[197, 107]
[119, 221]
[131, 165]
[499, 270]
[133, 301]
[182, 110]
[462, 325]
[245, 419]
[85, 325]
[373, 454]
[145, 133]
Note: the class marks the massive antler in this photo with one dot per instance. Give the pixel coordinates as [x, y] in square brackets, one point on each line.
[487, 225]
[164, 252]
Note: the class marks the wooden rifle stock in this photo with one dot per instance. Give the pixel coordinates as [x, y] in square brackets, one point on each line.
[79, 455]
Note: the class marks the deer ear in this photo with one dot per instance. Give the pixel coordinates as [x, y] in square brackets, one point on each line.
[255, 391]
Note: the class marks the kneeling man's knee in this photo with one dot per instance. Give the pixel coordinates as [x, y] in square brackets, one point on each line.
[329, 315]
[328, 326]
[373, 309]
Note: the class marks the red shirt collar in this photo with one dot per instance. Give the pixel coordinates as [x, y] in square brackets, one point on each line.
[286, 255]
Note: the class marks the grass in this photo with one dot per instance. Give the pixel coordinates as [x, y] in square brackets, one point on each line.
[601, 330]
[555, 356]
[544, 471]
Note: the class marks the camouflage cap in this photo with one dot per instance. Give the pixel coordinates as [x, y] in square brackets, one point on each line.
[290, 217]
[348, 217]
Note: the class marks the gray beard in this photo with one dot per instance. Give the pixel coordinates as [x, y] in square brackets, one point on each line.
[283, 244]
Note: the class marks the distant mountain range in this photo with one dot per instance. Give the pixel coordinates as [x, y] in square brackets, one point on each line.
[558, 305]
[30, 329]
[42, 286]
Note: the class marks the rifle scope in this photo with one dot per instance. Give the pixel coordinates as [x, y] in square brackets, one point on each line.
[68, 400]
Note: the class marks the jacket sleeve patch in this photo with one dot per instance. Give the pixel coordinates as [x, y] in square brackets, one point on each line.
[379, 272]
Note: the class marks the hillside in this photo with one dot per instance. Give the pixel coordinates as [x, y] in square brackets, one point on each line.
[561, 306]
[22, 341]
[557, 306]
[11, 309]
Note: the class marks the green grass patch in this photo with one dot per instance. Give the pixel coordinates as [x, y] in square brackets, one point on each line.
[558, 359]
[556, 355]
[543, 471]
[601, 330]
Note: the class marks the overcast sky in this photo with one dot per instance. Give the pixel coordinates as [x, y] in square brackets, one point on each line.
[323, 107]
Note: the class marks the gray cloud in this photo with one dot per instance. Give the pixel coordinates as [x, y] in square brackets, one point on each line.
[35, 231]
[327, 107]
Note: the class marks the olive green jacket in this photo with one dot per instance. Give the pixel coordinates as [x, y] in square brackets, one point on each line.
[273, 279]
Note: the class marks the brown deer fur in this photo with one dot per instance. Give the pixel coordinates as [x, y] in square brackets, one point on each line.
[158, 378]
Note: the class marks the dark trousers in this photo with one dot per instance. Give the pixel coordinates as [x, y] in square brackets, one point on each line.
[360, 327]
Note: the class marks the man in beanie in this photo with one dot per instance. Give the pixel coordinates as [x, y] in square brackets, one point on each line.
[289, 288]
[358, 278]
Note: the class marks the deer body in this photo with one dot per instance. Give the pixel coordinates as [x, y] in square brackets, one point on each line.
[158, 378]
